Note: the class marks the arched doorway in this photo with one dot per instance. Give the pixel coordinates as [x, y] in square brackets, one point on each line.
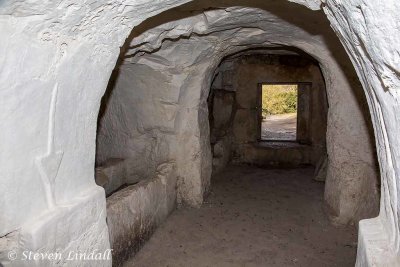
[160, 103]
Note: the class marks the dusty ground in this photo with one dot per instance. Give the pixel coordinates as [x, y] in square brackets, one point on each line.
[279, 127]
[253, 217]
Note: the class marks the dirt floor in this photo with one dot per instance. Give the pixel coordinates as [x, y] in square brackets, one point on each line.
[279, 127]
[253, 217]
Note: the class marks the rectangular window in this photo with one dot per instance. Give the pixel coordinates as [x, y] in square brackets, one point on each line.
[279, 106]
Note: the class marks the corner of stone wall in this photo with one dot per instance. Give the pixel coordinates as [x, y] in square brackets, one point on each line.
[133, 213]
[68, 230]
[374, 248]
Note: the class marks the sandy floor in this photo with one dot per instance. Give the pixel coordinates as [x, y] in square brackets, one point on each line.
[253, 217]
[279, 127]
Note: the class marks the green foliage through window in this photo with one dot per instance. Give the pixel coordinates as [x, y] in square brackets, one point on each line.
[279, 99]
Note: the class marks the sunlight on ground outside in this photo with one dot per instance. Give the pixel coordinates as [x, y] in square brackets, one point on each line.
[279, 112]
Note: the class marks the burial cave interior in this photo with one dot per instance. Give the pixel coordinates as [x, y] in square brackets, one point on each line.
[200, 132]
[184, 107]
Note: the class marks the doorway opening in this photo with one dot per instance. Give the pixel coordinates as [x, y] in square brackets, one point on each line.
[278, 112]
[284, 112]
[157, 122]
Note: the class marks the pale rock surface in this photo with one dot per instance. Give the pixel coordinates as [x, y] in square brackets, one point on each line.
[201, 41]
[74, 47]
[133, 213]
[367, 30]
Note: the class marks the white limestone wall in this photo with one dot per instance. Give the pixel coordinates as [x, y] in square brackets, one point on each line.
[138, 122]
[369, 31]
[57, 58]
[134, 212]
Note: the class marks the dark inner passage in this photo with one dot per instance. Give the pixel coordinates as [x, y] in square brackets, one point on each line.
[253, 217]
[259, 101]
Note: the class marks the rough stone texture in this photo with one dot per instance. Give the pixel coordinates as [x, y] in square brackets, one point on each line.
[190, 61]
[72, 47]
[81, 225]
[222, 111]
[58, 57]
[321, 169]
[274, 154]
[247, 72]
[135, 211]
[364, 27]
[345, 118]
[111, 176]
[222, 153]
[221, 115]
[136, 123]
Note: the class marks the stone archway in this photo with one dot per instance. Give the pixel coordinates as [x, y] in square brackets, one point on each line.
[171, 57]
[63, 40]
[180, 57]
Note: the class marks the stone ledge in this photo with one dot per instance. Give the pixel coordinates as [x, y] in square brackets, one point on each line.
[374, 248]
[79, 227]
[133, 213]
